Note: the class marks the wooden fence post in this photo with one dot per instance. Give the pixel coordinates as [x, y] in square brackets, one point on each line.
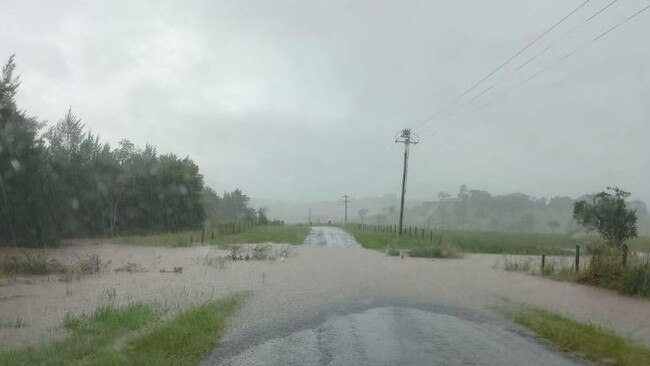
[212, 237]
[543, 264]
[577, 264]
[191, 238]
[202, 234]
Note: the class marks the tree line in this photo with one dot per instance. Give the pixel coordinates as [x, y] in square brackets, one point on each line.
[63, 181]
[476, 209]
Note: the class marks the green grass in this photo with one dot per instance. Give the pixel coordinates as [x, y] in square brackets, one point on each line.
[498, 242]
[181, 239]
[589, 341]
[289, 234]
[418, 247]
[28, 262]
[138, 334]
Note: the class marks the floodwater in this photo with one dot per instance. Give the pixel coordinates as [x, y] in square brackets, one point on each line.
[314, 285]
[330, 237]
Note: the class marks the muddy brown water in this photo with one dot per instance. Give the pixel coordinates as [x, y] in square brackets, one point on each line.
[313, 280]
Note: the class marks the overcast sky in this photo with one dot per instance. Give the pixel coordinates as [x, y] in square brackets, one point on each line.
[300, 100]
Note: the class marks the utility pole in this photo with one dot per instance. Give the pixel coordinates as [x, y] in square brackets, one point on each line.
[407, 138]
[345, 198]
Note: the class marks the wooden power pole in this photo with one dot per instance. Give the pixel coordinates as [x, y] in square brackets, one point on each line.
[345, 198]
[407, 138]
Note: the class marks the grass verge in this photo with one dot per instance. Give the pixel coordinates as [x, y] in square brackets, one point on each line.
[138, 334]
[289, 234]
[586, 340]
[392, 244]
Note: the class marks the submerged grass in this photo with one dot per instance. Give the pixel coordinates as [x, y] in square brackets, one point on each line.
[180, 239]
[28, 262]
[603, 269]
[587, 340]
[289, 234]
[138, 334]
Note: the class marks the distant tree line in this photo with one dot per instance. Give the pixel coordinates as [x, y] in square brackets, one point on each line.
[62, 181]
[233, 205]
[480, 210]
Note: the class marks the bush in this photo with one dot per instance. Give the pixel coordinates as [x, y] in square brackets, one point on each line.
[29, 264]
[606, 269]
[392, 252]
[636, 278]
[426, 252]
[443, 250]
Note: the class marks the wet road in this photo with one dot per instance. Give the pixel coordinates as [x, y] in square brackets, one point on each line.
[400, 336]
[378, 329]
[330, 237]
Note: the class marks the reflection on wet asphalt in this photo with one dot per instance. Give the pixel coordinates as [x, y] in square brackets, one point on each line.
[331, 237]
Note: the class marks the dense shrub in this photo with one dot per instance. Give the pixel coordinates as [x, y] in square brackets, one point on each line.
[606, 269]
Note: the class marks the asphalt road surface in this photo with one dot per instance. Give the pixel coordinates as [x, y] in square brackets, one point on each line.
[330, 237]
[400, 336]
[376, 330]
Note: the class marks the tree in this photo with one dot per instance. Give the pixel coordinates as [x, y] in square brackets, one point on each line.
[26, 211]
[553, 225]
[526, 222]
[262, 218]
[362, 213]
[607, 213]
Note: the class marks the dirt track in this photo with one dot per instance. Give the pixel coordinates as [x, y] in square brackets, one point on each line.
[306, 289]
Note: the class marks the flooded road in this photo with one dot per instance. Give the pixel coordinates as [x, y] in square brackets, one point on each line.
[370, 328]
[330, 237]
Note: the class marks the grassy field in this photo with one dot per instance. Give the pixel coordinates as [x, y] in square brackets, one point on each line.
[589, 341]
[138, 334]
[494, 242]
[289, 234]
[419, 247]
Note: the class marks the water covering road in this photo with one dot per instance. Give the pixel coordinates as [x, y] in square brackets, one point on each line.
[374, 331]
[331, 237]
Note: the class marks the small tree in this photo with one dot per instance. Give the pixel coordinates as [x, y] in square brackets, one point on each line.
[553, 225]
[362, 213]
[262, 219]
[607, 213]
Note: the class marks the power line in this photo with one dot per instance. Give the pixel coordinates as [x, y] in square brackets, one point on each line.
[599, 36]
[548, 30]
[534, 57]
[561, 59]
